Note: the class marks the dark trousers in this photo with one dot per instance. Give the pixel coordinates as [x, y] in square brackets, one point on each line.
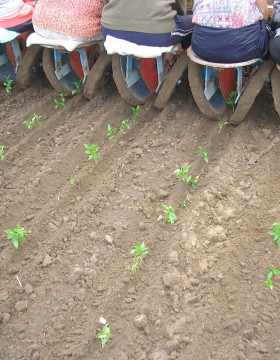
[231, 45]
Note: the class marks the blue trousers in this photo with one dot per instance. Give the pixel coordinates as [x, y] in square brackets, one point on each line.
[182, 30]
[231, 45]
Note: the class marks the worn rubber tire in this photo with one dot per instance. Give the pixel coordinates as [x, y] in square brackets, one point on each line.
[95, 78]
[124, 92]
[251, 92]
[275, 85]
[197, 89]
[171, 81]
[50, 74]
[25, 71]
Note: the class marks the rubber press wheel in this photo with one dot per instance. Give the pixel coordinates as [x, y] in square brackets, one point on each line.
[99, 75]
[32, 56]
[171, 81]
[138, 93]
[275, 84]
[65, 85]
[251, 92]
[216, 107]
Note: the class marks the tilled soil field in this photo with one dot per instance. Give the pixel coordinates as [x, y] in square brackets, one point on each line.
[200, 293]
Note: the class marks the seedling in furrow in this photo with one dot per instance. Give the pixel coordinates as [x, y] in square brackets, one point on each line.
[231, 99]
[139, 252]
[8, 84]
[276, 234]
[2, 151]
[183, 173]
[185, 202]
[193, 181]
[169, 215]
[35, 121]
[124, 125]
[104, 334]
[222, 124]
[77, 85]
[204, 154]
[72, 181]
[135, 111]
[17, 235]
[269, 280]
[92, 152]
[60, 102]
[111, 132]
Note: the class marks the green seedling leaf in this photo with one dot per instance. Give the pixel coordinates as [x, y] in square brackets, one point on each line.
[185, 203]
[231, 99]
[183, 173]
[139, 252]
[2, 151]
[77, 85]
[17, 235]
[8, 84]
[222, 125]
[72, 181]
[124, 125]
[60, 102]
[193, 181]
[35, 121]
[135, 111]
[111, 132]
[204, 154]
[92, 152]
[169, 215]
[269, 276]
[276, 234]
[104, 335]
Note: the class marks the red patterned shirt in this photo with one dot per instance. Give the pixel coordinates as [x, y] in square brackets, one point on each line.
[226, 13]
[74, 18]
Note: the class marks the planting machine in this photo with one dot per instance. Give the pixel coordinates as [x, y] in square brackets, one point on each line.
[68, 63]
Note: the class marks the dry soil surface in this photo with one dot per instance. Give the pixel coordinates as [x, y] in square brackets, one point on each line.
[200, 293]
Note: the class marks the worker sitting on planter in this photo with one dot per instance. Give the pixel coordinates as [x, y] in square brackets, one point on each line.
[230, 31]
[68, 20]
[145, 28]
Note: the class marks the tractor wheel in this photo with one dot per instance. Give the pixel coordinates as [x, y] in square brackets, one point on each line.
[32, 56]
[138, 92]
[250, 93]
[216, 107]
[99, 75]
[275, 84]
[171, 81]
[66, 84]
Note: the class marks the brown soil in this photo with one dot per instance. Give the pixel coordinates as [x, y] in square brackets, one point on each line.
[200, 292]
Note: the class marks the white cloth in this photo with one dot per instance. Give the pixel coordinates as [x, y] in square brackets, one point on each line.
[7, 35]
[9, 7]
[123, 47]
[69, 45]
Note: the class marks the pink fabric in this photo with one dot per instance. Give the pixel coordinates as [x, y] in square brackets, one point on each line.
[23, 14]
[77, 18]
[226, 13]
